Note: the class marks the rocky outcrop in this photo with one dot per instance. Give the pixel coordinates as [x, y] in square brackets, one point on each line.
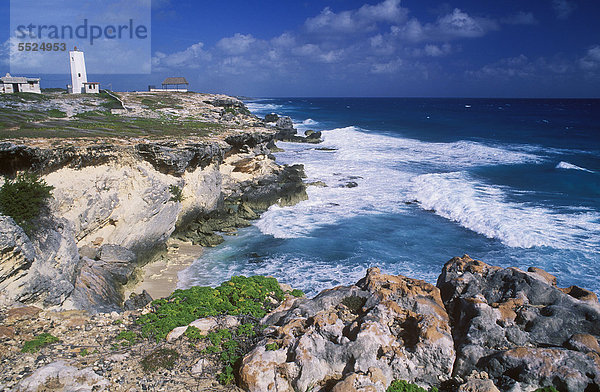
[171, 158]
[520, 328]
[383, 328]
[61, 376]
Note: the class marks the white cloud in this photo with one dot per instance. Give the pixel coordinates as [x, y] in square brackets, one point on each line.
[390, 67]
[460, 24]
[238, 44]
[520, 18]
[591, 60]
[455, 25]
[563, 8]
[365, 18]
[437, 51]
[523, 67]
[192, 57]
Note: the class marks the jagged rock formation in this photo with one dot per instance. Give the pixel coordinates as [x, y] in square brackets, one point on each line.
[520, 328]
[485, 329]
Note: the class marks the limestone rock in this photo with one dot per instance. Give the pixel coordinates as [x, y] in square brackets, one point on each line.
[137, 301]
[16, 252]
[61, 376]
[172, 158]
[519, 327]
[478, 385]
[393, 324]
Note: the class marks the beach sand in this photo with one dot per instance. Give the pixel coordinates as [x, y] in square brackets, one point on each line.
[159, 277]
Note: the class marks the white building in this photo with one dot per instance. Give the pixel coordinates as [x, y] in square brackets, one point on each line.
[79, 83]
[178, 84]
[19, 84]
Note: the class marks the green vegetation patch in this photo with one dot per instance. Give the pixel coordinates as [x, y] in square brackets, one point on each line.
[546, 389]
[56, 113]
[128, 338]
[251, 296]
[404, 386]
[272, 347]
[38, 342]
[23, 199]
[160, 358]
[297, 293]
[176, 193]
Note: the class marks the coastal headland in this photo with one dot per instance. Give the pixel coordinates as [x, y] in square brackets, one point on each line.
[142, 181]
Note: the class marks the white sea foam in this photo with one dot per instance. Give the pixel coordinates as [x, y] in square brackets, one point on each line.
[570, 166]
[483, 208]
[262, 108]
[381, 167]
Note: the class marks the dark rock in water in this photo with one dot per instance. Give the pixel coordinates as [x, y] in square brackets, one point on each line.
[319, 184]
[313, 135]
[383, 328]
[285, 189]
[351, 184]
[520, 328]
[309, 132]
[271, 117]
[285, 123]
[285, 127]
[137, 301]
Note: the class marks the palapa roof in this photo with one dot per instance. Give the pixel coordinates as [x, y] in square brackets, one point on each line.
[178, 80]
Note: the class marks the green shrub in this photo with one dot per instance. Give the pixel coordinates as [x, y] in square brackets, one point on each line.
[194, 333]
[23, 198]
[238, 296]
[404, 386]
[297, 293]
[546, 389]
[160, 358]
[38, 342]
[130, 337]
[272, 347]
[176, 193]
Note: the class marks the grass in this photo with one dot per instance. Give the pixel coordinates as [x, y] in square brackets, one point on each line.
[38, 342]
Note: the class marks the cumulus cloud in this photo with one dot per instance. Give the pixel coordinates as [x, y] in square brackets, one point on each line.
[454, 25]
[237, 44]
[524, 68]
[366, 18]
[520, 18]
[192, 57]
[591, 60]
[563, 8]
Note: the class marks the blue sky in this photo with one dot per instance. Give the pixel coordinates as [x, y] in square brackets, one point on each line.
[542, 48]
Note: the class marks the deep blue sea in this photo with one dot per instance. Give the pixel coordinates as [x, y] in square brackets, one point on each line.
[512, 182]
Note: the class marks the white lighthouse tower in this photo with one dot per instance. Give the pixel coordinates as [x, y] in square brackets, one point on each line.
[79, 83]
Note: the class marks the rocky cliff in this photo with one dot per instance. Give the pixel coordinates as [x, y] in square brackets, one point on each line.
[113, 206]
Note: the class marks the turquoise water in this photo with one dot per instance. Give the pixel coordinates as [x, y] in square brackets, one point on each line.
[510, 182]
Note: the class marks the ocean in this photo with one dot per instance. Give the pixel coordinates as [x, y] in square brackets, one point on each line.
[512, 182]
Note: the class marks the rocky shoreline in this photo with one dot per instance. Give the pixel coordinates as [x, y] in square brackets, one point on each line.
[481, 328]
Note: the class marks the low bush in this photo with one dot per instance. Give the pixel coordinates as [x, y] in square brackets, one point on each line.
[23, 199]
[160, 358]
[238, 296]
[404, 386]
